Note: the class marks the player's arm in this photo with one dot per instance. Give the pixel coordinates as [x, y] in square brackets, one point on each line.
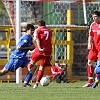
[54, 71]
[39, 46]
[90, 38]
[29, 47]
[90, 44]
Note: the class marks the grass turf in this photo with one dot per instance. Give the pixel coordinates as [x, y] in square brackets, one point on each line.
[62, 91]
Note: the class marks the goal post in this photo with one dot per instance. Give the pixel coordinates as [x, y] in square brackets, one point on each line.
[18, 35]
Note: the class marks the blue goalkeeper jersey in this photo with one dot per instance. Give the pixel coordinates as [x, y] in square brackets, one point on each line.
[24, 41]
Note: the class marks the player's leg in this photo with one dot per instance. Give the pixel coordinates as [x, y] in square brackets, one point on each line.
[90, 71]
[64, 79]
[58, 78]
[3, 71]
[30, 64]
[8, 67]
[35, 57]
[95, 84]
[44, 62]
[12, 65]
[31, 67]
[39, 75]
[22, 63]
[92, 56]
[97, 71]
[29, 77]
[30, 73]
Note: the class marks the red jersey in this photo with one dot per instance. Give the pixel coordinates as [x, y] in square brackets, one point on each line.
[94, 28]
[56, 70]
[45, 36]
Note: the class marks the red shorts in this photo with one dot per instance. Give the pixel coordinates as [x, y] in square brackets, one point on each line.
[94, 54]
[44, 60]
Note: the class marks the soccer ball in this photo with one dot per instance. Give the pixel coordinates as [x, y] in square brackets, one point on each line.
[45, 81]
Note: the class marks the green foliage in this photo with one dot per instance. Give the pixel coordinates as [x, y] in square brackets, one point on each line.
[3, 11]
[54, 91]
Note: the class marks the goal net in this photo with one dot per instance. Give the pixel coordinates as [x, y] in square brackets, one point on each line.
[55, 13]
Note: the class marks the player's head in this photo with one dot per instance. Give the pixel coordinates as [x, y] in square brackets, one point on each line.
[30, 29]
[41, 23]
[57, 63]
[30, 26]
[96, 13]
[96, 16]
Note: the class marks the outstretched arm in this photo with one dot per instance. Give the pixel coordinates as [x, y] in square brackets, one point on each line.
[30, 47]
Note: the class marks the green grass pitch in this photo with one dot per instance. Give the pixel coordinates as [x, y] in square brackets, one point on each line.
[54, 91]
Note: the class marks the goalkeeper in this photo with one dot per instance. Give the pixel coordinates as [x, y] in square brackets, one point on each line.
[59, 73]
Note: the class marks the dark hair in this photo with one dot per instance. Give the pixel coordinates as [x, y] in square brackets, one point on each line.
[41, 23]
[96, 13]
[30, 26]
[57, 61]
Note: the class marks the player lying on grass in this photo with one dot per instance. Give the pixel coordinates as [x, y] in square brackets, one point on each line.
[18, 57]
[59, 73]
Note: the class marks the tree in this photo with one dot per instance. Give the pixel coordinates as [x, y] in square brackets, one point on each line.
[3, 11]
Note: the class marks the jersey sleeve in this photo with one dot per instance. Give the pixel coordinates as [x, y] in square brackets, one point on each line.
[53, 70]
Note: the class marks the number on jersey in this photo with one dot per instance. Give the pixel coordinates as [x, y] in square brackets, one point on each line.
[47, 34]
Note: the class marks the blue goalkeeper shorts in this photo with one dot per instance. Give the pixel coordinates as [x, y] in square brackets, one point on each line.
[15, 63]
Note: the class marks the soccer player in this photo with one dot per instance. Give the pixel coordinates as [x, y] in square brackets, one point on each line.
[94, 47]
[42, 52]
[59, 73]
[18, 57]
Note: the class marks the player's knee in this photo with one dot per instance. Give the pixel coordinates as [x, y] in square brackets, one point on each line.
[90, 62]
[41, 67]
[58, 80]
[32, 62]
[33, 69]
[3, 71]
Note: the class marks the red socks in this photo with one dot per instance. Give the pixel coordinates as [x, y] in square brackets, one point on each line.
[29, 66]
[90, 73]
[39, 76]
